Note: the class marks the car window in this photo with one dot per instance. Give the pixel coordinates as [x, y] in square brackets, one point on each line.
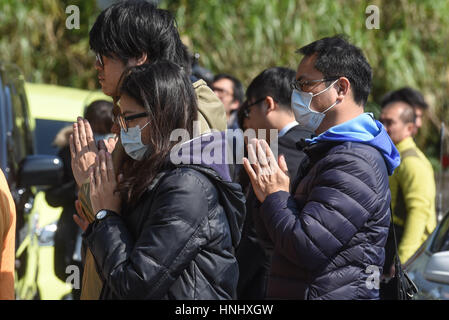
[441, 241]
[45, 133]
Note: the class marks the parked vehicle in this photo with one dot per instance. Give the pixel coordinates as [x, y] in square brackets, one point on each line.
[429, 266]
[53, 108]
[24, 171]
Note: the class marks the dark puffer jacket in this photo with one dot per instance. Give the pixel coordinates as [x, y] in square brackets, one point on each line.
[178, 242]
[330, 236]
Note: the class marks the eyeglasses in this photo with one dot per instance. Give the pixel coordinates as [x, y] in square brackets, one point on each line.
[245, 106]
[99, 59]
[305, 84]
[221, 91]
[122, 120]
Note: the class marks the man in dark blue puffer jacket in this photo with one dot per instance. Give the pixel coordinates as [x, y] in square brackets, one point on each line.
[330, 225]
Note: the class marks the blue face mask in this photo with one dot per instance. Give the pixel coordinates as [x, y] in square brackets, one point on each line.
[132, 142]
[306, 117]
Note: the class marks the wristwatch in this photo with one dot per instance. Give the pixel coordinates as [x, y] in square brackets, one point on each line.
[103, 213]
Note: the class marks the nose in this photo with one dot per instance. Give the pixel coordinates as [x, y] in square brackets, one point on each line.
[98, 66]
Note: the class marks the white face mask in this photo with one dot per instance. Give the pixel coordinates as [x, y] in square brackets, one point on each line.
[306, 117]
[132, 142]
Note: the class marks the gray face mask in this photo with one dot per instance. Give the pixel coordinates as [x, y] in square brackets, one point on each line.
[132, 142]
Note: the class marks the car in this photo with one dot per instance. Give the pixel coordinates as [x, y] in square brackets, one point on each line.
[52, 108]
[428, 268]
[25, 171]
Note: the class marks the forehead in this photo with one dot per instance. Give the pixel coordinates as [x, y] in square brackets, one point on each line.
[223, 84]
[306, 69]
[128, 104]
[393, 110]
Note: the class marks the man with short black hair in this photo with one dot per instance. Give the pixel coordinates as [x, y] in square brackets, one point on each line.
[413, 98]
[329, 227]
[267, 107]
[412, 184]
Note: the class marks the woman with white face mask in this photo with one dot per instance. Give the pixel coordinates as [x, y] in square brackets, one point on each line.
[162, 231]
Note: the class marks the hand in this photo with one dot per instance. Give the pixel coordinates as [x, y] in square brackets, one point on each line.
[107, 145]
[83, 150]
[266, 175]
[80, 219]
[103, 183]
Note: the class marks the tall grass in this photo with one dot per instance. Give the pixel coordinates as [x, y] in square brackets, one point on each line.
[245, 37]
[409, 49]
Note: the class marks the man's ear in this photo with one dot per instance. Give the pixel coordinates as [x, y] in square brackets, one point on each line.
[343, 87]
[271, 104]
[411, 127]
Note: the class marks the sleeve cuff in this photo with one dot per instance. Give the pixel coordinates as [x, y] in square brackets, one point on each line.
[274, 202]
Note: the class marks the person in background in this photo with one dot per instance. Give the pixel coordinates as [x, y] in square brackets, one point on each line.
[7, 240]
[412, 185]
[267, 107]
[413, 98]
[230, 91]
[330, 226]
[68, 235]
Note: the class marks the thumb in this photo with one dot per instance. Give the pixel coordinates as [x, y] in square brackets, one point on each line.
[283, 164]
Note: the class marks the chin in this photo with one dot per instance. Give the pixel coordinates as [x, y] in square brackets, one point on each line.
[107, 91]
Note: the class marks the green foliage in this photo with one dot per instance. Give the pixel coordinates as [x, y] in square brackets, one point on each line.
[245, 37]
[34, 36]
[409, 49]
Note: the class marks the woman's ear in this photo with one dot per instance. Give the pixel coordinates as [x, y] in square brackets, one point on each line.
[138, 61]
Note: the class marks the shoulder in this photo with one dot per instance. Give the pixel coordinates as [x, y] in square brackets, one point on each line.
[356, 161]
[188, 181]
[354, 154]
[415, 166]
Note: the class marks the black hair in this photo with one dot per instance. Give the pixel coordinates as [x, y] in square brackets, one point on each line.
[128, 29]
[274, 82]
[237, 86]
[336, 57]
[407, 95]
[162, 88]
[99, 115]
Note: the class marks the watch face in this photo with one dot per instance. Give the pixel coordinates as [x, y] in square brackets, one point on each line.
[101, 214]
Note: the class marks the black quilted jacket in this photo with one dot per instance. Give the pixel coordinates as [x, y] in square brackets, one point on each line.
[177, 243]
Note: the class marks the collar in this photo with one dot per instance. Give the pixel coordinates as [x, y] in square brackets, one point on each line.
[405, 144]
[287, 128]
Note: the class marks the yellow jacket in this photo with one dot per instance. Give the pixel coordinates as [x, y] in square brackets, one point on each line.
[7, 240]
[413, 198]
